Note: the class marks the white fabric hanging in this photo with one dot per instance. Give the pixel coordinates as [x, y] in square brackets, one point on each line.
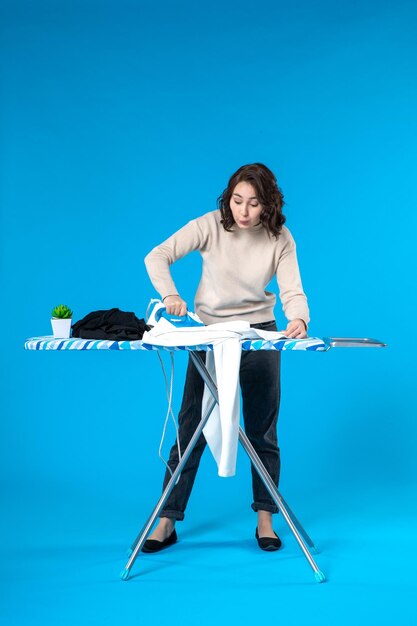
[222, 428]
[223, 364]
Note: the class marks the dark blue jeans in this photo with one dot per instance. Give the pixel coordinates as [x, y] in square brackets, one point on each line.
[259, 379]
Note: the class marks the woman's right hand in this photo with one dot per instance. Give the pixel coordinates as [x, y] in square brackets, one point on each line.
[175, 305]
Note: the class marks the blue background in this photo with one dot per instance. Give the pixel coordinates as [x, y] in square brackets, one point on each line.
[119, 123]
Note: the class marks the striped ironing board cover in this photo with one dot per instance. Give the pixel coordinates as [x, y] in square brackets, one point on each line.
[48, 342]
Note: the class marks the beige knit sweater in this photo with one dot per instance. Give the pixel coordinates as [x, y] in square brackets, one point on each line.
[237, 266]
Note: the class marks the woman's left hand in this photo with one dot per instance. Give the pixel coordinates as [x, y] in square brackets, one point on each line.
[296, 329]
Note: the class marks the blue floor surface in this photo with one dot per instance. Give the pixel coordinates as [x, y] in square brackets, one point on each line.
[60, 564]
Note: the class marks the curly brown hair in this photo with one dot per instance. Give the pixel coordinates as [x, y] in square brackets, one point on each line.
[268, 193]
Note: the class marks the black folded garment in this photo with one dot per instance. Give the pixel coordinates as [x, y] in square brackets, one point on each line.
[110, 324]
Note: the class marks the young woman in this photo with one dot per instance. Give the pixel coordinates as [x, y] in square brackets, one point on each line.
[243, 243]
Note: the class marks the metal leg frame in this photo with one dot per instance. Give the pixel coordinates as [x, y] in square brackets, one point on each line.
[141, 538]
[296, 528]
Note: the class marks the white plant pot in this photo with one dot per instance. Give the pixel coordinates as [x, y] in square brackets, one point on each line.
[61, 328]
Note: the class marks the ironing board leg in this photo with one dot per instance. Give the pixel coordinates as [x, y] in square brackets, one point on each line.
[276, 496]
[141, 538]
[263, 474]
[288, 515]
[298, 525]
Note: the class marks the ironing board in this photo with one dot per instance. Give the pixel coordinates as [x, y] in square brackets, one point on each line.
[315, 344]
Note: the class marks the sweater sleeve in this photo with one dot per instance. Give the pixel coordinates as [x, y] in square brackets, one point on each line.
[291, 293]
[188, 238]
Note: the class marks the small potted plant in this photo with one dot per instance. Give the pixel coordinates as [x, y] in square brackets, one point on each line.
[61, 321]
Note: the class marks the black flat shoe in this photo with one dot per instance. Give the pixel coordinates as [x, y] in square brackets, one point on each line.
[268, 543]
[153, 545]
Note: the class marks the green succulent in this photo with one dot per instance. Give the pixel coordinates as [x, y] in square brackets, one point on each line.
[62, 311]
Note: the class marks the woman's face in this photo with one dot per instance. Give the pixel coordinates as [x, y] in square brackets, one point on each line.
[245, 206]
